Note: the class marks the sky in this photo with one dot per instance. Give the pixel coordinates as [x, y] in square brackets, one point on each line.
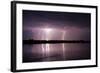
[39, 25]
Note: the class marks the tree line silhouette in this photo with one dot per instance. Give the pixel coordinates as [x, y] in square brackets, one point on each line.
[32, 41]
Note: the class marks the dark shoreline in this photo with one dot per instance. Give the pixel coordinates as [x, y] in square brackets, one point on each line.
[53, 41]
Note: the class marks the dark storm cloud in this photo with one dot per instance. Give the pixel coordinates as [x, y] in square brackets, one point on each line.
[76, 24]
[60, 19]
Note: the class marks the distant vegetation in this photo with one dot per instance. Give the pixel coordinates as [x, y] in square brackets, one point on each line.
[32, 41]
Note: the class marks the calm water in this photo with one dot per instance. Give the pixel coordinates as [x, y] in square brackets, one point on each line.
[55, 52]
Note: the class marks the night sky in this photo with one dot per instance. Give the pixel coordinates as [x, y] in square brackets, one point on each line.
[47, 25]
